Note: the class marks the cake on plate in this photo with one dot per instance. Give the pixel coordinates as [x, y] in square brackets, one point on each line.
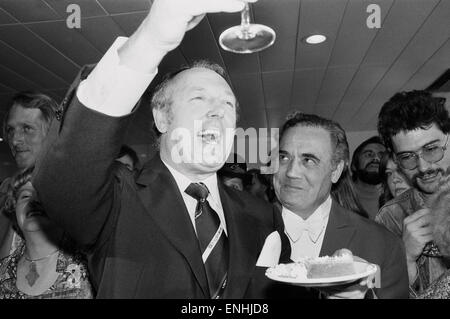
[339, 264]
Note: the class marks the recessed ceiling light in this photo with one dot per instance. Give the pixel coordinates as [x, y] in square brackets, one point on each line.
[1, 139]
[315, 39]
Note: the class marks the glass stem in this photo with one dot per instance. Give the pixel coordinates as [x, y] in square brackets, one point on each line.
[245, 22]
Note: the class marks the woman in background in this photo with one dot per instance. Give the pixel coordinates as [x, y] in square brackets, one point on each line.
[45, 264]
[394, 182]
[344, 193]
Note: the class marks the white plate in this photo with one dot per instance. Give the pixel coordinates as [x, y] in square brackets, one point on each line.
[363, 269]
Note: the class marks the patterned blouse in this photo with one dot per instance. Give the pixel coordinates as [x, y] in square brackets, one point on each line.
[440, 289]
[72, 282]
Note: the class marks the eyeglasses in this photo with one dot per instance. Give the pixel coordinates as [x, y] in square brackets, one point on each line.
[430, 154]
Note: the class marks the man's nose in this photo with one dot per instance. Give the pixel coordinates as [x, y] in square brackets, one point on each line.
[17, 137]
[423, 165]
[396, 178]
[294, 170]
[216, 110]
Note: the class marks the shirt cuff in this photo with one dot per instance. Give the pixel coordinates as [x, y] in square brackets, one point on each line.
[111, 88]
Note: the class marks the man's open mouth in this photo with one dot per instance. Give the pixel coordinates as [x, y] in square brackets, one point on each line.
[210, 136]
[36, 210]
[35, 213]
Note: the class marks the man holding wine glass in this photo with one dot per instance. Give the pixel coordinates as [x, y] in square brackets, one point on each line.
[174, 232]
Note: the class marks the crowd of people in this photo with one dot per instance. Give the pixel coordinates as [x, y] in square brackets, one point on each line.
[83, 219]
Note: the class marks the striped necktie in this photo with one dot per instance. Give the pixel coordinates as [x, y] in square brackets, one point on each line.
[212, 239]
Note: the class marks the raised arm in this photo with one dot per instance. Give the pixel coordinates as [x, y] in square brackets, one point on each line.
[74, 176]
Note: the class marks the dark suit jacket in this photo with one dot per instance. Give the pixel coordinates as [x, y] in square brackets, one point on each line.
[137, 234]
[366, 239]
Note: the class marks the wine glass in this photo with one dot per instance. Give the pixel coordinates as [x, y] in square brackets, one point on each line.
[247, 37]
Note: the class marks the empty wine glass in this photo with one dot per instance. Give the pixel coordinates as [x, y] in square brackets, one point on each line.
[247, 37]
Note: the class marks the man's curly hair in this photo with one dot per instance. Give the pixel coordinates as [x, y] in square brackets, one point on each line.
[408, 111]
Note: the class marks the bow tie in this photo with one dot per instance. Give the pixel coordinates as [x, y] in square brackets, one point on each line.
[313, 229]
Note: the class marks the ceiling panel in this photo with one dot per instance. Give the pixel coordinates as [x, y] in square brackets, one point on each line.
[365, 79]
[251, 118]
[404, 19]
[277, 88]
[355, 34]
[282, 16]
[193, 46]
[5, 17]
[431, 70]
[114, 6]
[129, 22]
[305, 88]
[67, 41]
[4, 89]
[29, 69]
[100, 32]
[23, 40]
[88, 8]
[270, 59]
[29, 10]
[249, 91]
[57, 95]
[318, 17]
[332, 89]
[277, 116]
[16, 81]
[421, 48]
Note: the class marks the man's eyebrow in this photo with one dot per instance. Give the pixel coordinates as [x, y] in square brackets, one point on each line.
[202, 89]
[425, 145]
[310, 155]
[432, 142]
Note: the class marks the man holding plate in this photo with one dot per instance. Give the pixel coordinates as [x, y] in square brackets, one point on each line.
[313, 152]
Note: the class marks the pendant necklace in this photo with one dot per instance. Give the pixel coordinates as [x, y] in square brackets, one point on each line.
[33, 275]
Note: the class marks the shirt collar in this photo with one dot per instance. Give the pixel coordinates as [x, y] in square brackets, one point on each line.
[183, 182]
[314, 224]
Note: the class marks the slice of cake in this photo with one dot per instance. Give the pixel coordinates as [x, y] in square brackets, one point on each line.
[292, 270]
[340, 264]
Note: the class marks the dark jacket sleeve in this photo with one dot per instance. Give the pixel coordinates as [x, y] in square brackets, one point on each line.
[74, 174]
[394, 277]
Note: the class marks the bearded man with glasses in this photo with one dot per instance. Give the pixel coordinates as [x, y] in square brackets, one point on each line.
[415, 127]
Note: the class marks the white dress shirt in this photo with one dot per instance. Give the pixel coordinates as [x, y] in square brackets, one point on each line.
[111, 88]
[303, 242]
[191, 203]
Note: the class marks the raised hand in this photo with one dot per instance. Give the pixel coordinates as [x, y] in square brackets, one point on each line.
[164, 28]
[417, 231]
[168, 20]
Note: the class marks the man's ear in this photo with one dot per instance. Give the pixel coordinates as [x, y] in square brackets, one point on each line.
[161, 119]
[336, 174]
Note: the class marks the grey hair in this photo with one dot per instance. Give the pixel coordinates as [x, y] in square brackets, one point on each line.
[337, 133]
[162, 96]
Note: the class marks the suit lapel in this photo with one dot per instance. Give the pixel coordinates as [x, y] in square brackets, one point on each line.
[243, 242]
[163, 201]
[339, 231]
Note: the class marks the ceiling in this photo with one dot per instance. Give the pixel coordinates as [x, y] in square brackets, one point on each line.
[346, 78]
